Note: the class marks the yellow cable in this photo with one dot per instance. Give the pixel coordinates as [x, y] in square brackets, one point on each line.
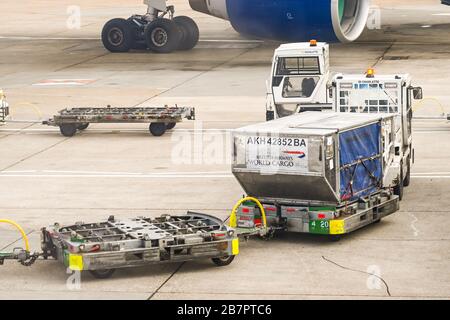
[233, 219]
[24, 236]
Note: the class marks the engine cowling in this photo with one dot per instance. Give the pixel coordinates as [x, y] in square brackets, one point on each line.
[291, 20]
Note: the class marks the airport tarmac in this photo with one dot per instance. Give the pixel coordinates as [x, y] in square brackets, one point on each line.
[121, 170]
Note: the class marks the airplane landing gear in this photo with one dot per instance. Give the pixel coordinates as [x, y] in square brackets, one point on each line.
[157, 30]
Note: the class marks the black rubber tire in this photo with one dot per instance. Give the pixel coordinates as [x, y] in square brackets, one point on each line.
[102, 274]
[68, 129]
[407, 180]
[83, 126]
[335, 237]
[189, 32]
[171, 125]
[162, 35]
[270, 115]
[224, 261]
[117, 35]
[157, 128]
[398, 189]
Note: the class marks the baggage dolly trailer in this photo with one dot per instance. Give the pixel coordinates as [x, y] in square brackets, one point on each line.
[160, 118]
[102, 247]
[4, 108]
[315, 218]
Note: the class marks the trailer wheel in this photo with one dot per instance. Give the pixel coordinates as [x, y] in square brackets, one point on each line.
[189, 32]
[407, 180]
[102, 274]
[398, 189]
[223, 261]
[335, 237]
[83, 126]
[117, 35]
[157, 128]
[162, 35]
[68, 129]
[171, 125]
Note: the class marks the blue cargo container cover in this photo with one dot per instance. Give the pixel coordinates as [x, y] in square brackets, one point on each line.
[360, 160]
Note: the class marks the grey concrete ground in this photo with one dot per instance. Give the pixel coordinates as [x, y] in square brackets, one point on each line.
[122, 170]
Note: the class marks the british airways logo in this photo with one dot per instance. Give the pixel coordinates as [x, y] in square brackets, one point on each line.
[298, 154]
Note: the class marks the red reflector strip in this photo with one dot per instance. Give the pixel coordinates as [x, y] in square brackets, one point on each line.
[270, 209]
[321, 216]
[245, 210]
[290, 209]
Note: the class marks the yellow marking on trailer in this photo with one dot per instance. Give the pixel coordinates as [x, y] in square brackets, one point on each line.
[76, 262]
[337, 227]
[235, 247]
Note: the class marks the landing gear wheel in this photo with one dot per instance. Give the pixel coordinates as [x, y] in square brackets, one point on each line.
[68, 129]
[83, 126]
[398, 189]
[157, 128]
[102, 274]
[189, 32]
[162, 35]
[407, 180]
[224, 261]
[171, 125]
[117, 35]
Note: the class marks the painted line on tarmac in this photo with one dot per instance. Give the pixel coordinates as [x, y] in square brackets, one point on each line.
[178, 176]
[165, 175]
[97, 174]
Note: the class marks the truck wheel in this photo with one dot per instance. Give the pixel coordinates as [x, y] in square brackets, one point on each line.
[398, 189]
[407, 180]
[117, 35]
[102, 274]
[68, 129]
[157, 128]
[162, 35]
[224, 261]
[270, 115]
[83, 126]
[171, 125]
[189, 32]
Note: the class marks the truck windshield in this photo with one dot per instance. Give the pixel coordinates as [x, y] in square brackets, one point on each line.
[368, 98]
[288, 66]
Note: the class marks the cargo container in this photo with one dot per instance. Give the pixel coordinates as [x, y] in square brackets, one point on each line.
[318, 167]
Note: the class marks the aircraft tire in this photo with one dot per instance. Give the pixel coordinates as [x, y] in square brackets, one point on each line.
[189, 32]
[117, 35]
[162, 35]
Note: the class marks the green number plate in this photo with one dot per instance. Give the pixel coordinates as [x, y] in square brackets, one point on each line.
[319, 226]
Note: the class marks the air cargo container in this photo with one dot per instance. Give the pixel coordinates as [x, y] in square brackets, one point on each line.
[324, 172]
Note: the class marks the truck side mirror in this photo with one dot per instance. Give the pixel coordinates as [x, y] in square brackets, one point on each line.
[417, 93]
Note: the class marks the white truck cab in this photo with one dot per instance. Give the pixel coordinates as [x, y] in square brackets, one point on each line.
[393, 94]
[299, 77]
